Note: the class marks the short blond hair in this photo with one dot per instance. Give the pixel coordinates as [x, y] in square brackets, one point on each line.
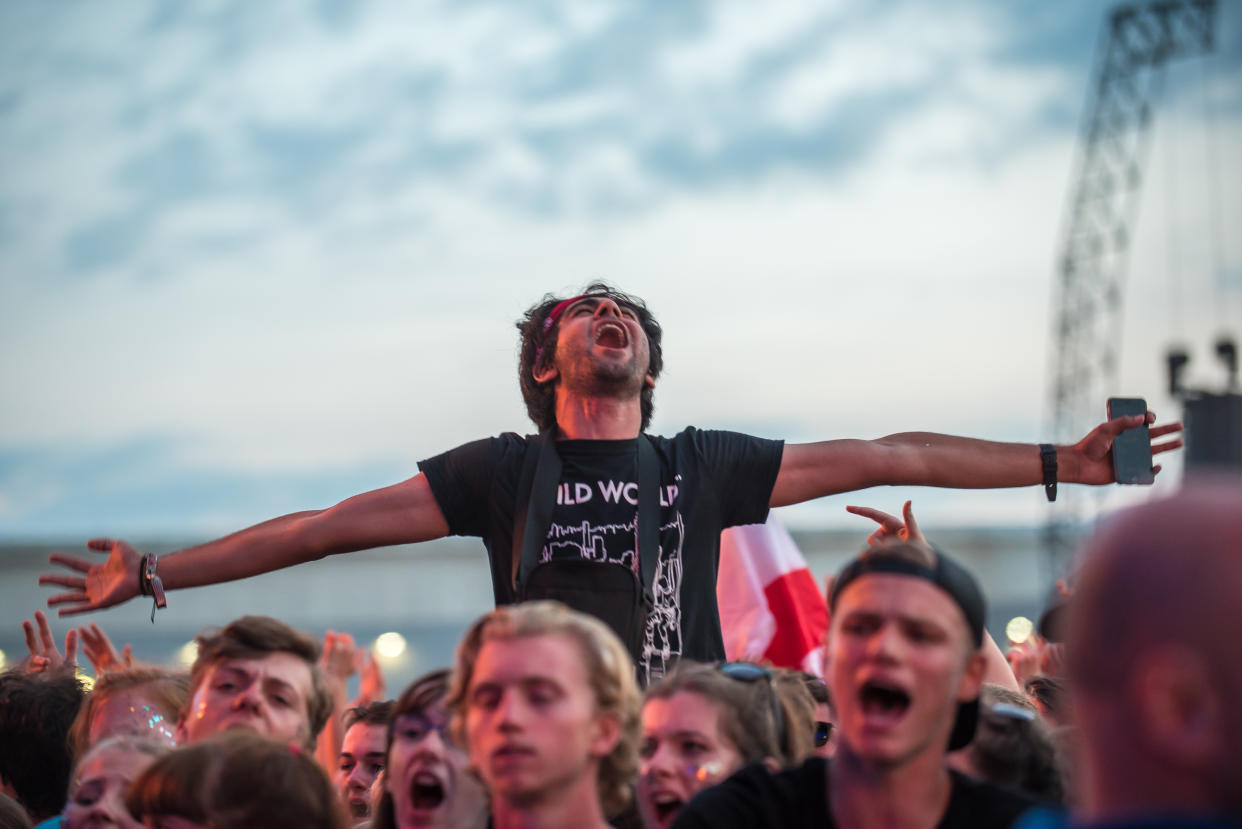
[170, 690]
[610, 673]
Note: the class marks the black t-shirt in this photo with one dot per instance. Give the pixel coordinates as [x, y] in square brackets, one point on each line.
[709, 480]
[796, 797]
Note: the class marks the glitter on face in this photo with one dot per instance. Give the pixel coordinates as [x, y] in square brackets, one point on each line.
[132, 712]
[703, 773]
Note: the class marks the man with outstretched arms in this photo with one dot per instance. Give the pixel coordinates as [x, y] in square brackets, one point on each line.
[548, 506]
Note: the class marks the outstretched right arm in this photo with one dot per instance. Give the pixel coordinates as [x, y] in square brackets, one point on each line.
[400, 514]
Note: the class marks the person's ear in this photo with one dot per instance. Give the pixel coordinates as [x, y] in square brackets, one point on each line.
[972, 677]
[1178, 713]
[649, 381]
[607, 733]
[546, 374]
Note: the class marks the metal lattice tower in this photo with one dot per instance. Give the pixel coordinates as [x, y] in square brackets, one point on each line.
[1137, 42]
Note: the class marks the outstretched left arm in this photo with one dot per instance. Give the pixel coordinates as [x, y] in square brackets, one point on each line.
[813, 470]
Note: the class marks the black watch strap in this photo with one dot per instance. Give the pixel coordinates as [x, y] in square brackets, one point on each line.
[1048, 454]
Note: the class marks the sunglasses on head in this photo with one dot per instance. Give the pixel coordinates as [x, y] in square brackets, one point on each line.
[750, 672]
[1012, 712]
[823, 732]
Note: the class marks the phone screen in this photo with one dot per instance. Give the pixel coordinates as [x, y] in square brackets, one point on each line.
[1132, 448]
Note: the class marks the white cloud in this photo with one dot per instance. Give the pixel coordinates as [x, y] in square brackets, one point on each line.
[369, 316]
[909, 47]
[739, 32]
[576, 110]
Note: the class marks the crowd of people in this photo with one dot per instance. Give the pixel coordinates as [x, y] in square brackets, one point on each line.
[598, 693]
[917, 720]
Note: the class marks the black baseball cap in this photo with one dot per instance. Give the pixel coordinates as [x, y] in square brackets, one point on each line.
[949, 576]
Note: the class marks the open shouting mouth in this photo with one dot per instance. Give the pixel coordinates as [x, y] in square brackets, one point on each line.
[426, 791]
[611, 334]
[666, 806]
[883, 703]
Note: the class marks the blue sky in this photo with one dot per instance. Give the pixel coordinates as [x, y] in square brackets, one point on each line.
[255, 257]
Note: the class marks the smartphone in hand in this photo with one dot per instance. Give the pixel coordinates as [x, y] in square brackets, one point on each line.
[1131, 448]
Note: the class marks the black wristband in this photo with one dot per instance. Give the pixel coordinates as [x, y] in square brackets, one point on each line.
[1048, 454]
[150, 584]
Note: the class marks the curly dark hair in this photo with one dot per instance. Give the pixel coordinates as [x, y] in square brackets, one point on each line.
[541, 397]
[36, 711]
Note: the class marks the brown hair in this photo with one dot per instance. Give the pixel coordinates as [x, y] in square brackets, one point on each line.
[1015, 751]
[798, 707]
[747, 719]
[418, 696]
[167, 689]
[254, 637]
[609, 669]
[369, 713]
[238, 780]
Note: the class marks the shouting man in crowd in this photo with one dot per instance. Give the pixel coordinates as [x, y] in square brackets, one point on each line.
[905, 663]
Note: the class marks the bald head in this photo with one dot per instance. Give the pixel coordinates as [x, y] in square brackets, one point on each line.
[1170, 570]
[1154, 650]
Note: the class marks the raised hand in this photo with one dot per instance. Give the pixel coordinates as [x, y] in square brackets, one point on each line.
[891, 528]
[1089, 461]
[340, 657]
[1036, 657]
[1052, 659]
[95, 585]
[371, 684]
[101, 652]
[44, 657]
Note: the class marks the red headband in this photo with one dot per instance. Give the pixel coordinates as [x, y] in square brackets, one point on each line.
[555, 314]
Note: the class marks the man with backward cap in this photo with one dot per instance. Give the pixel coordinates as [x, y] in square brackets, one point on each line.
[905, 662]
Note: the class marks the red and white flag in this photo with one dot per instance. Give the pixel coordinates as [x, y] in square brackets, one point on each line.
[771, 607]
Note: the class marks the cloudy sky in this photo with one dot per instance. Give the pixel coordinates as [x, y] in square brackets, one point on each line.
[256, 257]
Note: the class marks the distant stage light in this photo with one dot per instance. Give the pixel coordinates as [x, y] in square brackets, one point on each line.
[1019, 629]
[187, 653]
[4, 660]
[390, 645]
